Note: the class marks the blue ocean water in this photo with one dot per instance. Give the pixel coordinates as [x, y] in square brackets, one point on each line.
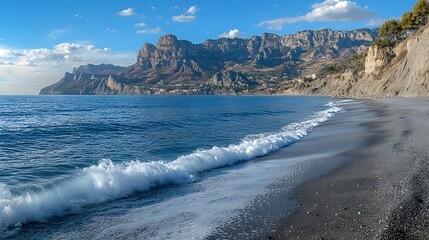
[59, 153]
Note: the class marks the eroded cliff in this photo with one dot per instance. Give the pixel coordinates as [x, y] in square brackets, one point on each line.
[402, 70]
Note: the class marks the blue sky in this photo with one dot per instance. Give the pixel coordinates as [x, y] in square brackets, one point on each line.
[41, 39]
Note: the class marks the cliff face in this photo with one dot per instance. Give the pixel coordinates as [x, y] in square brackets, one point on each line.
[223, 65]
[377, 59]
[402, 70]
[408, 73]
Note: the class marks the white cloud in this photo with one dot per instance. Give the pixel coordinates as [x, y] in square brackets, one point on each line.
[57, 33]
[328, 10]
[127, 12]
[141, 24]
[183, 18]
[66, 48]
[26, 71]
[375, 22]
[6, 63]
[6, 53]
[193, 9]
[187, 18]
[233, 33]
[150, 31]
[64, 53]
[68, 53]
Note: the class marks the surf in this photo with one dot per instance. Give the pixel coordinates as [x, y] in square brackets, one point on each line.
[108, 180]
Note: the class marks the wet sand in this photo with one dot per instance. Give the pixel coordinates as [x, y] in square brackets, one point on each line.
[316, 155]
[382, 193]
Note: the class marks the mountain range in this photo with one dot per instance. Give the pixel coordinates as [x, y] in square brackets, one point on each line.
[222, 66]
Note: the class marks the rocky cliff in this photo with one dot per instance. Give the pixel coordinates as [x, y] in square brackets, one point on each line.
[401, 70]
[221, 66]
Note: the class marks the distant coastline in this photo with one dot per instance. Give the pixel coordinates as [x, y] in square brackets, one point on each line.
[263, 65]
[383, 71]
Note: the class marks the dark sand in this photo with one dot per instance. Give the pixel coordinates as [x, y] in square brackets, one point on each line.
[319, 153]
[383, 193]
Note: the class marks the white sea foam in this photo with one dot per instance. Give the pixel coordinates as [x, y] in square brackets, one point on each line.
[108, 180]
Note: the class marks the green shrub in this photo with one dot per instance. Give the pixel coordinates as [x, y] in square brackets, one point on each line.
[391, 29]
[356, 61]
[382, 42]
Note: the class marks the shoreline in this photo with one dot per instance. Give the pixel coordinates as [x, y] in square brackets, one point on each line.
[382, 193]
[197, 206]
[360, 175]
[340, 134]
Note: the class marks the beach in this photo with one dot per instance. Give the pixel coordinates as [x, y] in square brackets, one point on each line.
[381, 193]
[358, 174]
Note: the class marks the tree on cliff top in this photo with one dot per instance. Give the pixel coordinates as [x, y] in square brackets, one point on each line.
[408, 22]
[421, 12]
[391, 29]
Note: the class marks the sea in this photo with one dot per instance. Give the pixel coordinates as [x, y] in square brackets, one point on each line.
[164, 167]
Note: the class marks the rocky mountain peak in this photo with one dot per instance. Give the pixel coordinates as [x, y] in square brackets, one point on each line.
[97, 69]
[169, 45]
[167, 40]
[217, 65]
[269, 36]
[146, 51]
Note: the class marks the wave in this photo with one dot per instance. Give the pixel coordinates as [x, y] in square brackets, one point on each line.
[108, 180]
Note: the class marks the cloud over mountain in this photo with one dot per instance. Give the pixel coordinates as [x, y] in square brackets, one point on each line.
[326, 11]
[233, 33]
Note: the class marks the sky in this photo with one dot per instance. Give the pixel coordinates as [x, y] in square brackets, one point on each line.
[42, 39]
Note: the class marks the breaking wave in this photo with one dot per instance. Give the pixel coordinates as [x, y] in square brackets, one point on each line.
[108, 180]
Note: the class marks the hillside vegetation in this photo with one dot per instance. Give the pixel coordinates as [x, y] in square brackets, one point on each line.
[395, 65]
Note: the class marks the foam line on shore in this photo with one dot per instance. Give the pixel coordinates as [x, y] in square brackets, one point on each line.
[108, 180]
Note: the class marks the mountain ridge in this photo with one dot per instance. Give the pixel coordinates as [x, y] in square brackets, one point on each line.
[216, 66]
